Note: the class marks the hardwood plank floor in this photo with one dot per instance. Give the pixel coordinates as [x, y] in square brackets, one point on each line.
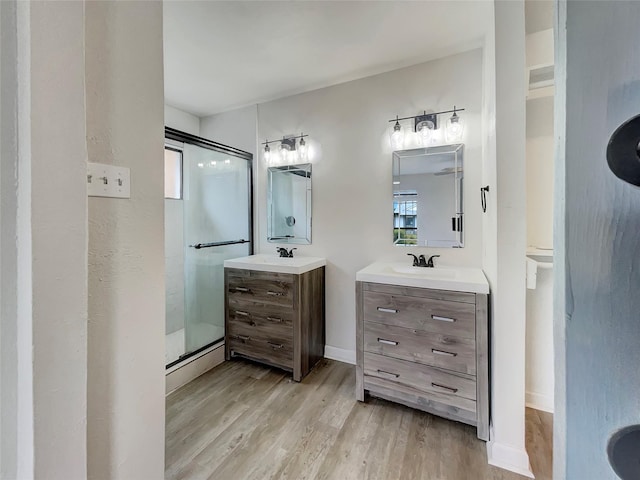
[246, 421]
[540, 443]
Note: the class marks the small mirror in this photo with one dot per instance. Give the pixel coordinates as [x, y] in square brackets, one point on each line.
[427, 197]
[289, 204]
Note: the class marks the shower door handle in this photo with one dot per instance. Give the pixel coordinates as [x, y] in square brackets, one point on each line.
[198, 246]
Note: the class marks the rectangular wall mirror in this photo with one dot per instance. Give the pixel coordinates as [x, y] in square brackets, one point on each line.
[289, 204]
[427, 197]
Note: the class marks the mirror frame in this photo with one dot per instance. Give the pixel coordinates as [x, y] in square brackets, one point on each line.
[307, 168]
[455, 149]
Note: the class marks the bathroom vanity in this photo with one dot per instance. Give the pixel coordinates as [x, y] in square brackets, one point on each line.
[422, 339]
[274, 311]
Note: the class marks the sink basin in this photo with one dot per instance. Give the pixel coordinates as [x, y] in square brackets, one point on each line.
[273, 263]
[458, 279]
[423, 272]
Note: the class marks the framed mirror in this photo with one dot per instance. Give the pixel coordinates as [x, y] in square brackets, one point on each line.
[427, 197]
[289, 204]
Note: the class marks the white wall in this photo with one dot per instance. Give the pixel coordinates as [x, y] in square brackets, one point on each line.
[236, 128]
[181, 120]
[352, 190]
[539, 359]
[505, 224]
[125, 123]
[43, 242]
[540, 172]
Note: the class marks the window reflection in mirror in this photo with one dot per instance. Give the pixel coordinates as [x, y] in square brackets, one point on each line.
[427, 197]
[289, 204]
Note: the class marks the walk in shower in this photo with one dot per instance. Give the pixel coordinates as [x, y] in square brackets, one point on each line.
[207, 220]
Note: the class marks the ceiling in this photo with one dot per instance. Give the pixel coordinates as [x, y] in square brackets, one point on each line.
[219, 56]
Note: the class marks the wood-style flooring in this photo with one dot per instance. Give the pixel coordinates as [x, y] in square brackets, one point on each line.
[246, 421]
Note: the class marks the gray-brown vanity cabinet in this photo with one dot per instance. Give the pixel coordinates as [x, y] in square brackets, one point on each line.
[275, 318]
[425, 348]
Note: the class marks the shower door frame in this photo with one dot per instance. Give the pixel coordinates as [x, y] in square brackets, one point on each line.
[184, 137]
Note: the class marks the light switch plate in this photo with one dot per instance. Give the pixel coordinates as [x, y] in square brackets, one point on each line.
[108, 181]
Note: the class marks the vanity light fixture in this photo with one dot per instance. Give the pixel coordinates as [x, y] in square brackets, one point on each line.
[397, 136]
[290, 150]
[425, 125]
[454, 127]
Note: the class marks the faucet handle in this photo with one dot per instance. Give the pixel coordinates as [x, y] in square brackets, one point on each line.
[290, 254]
[430, 261]
[415, 259]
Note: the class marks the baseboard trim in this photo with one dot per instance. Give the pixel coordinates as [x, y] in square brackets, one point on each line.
[539, 402]
[182, 374]
[509, 458]
[340, 354]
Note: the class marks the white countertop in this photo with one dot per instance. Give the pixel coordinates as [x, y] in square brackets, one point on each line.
[273, 263]
[543, 257]
[459, 279]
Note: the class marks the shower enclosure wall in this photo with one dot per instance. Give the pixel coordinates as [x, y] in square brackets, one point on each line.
[207, 220]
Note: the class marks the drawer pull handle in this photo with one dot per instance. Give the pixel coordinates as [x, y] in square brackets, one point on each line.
[387, 342]
[442, 352]
[448, 389]
[242, 289]
[241, 314]
[394, 375]
[276, 345]
[387, 310]
[274, 319]
[275, 294]
[443, 319]
[244, 338]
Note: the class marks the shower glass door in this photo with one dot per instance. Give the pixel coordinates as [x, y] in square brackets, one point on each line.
[215, 226]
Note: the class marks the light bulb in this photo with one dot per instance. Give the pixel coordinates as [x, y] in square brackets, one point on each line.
[302, 150]
[213, 163]
[267, 153]
[397, 136]
[200, 165]
[284, 152]
[425, 131]
[227, 161]
[455, 127]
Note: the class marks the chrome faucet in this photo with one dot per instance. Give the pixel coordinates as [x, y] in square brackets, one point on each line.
[284, 253]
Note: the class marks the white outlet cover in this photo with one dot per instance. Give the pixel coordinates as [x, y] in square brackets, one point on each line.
[108, 181]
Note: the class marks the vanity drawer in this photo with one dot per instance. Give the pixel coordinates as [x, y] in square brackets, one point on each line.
[455, 389]
[260, 350]
[275, 334]
[260, 315]
[431, 315]
[269, 288]
[273, 345]
[444, 351]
